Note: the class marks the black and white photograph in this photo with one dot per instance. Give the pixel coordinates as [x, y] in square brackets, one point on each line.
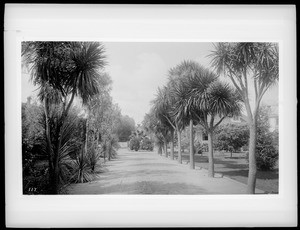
[150, 118]
[154, 115]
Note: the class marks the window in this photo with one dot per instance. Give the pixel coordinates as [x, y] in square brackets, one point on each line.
[204, 137]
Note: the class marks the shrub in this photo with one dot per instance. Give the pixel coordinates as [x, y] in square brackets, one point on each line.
[146, 144]
[267, 142]
[266, 157]
[231, 137]
[200, 148]
[93, 156]
[134, 143]
[80, 169]
[266, 151]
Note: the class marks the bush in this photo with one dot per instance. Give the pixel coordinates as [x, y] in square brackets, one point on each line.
[134, 143]
[231, 137]
[266, 157]
[200, 147]
[266, 151]
[146, 144]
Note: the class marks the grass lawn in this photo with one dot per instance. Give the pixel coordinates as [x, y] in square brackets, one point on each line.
[237, 169]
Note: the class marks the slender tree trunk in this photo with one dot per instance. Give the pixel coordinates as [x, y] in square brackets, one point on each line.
[51, 158]
[159, 151]
[60, 123]
[179, 147]
[86, 136]
[166, 147]
[210, 155]
[104, 152]
[109, 151]
[192, 163]
[172, 145]
[252, 159]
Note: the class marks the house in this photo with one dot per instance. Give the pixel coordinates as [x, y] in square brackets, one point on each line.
[273, 117]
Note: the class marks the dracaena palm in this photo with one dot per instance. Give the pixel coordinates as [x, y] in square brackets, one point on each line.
[211, 107]
[70, 69]
[181, 92]
[242, 63]
[154, 125]
[162, 109]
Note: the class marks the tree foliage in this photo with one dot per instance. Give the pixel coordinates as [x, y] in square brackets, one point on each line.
[243, 63]
[125, 128]
[232, 137]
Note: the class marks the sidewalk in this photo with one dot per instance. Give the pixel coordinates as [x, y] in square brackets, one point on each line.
[148, 173]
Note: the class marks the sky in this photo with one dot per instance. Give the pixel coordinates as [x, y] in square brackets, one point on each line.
[137, 69]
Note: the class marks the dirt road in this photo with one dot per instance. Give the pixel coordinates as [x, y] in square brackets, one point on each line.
[148, 173]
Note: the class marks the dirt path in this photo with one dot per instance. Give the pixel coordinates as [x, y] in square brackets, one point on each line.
[149, 173]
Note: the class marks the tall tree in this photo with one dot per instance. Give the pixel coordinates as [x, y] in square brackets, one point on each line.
[154, 125]
[211, 106]
[178, 96]
[62, 70]
[244, 63]
[162, 109]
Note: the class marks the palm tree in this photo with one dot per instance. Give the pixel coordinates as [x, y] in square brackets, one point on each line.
[162, 109]
[242, 63]
[69, 68]
[211, 107]
[153, 124]
[182, 94]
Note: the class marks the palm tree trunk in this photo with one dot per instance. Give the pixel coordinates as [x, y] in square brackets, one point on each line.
[210, 155]
[252, 159]
[179, 146]
[192, 163]
[109, 152]
[104, 152]
[159, 151]
[60, 123]
[166, 147]
[86, 136]
[172, 145]
[51, 159]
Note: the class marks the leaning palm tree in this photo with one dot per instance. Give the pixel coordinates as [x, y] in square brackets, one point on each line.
[71, 68]
[243, 63]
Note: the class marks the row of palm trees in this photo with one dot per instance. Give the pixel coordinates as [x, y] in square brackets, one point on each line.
[195, 95]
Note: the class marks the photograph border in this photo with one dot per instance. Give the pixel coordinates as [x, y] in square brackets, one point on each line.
[151, 23]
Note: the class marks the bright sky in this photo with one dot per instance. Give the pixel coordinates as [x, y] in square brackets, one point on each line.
[139, 68]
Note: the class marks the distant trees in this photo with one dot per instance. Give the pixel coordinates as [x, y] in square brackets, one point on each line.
[125, 128]
[161, 108]
[155, 128]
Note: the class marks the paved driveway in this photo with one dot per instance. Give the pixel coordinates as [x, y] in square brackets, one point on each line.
[148, 173]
